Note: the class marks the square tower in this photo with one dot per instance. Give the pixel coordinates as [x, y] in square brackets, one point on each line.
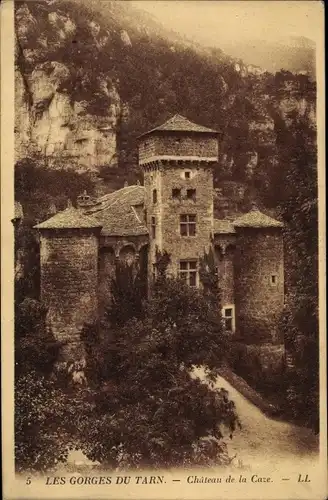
[177, 159]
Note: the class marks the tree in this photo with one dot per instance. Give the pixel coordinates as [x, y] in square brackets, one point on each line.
[151, 411]
[300, 323]
[36, 349]
[127, 294]
[40, 404]
[41, 410]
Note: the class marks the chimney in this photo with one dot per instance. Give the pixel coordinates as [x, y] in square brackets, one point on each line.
[84, 200]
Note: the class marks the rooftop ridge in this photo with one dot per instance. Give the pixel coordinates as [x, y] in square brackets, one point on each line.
[118, 199]
[70, 218]
[257, 219]
[179, 123]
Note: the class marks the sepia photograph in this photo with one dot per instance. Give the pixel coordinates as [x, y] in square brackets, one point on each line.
[167, 337]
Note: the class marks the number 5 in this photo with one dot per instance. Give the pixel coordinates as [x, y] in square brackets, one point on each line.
[28, 480]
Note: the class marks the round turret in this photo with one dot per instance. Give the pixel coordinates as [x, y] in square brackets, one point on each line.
[259, 276]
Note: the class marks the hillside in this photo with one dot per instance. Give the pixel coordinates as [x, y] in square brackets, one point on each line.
[90, 77]
[295, 54]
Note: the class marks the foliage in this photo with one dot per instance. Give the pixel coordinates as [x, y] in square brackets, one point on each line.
[35, 347]
[39, 404]
[38, 188]
[145, 409]
[158, 75]
[147, 405]
[27, 263]
[300, 326]
[40, 415]
[209, 279]
[126, 294]
[270, 380]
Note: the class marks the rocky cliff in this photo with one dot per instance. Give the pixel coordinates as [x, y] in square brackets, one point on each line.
[91, 76]
[52, 124]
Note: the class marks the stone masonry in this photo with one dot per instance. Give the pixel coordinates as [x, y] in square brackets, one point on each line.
[173, 212]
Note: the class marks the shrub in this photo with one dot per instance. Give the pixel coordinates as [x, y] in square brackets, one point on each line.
[151, 411]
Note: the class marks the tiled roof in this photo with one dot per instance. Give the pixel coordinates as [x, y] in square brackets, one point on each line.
[179, 123]
[223, 227]
[70, 218]
[116, 214]
[134, 195]
[255, 218]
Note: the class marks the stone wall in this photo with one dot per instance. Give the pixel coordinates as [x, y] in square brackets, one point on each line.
[147, 148]
[259, 301]
[153, 181]
[225, 269]
[106, 272]
[168, 209]
[69, 279]
[186, 145]
[178, 144]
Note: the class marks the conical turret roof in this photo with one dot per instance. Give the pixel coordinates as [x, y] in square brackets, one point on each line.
[257, 219]
[70, 218]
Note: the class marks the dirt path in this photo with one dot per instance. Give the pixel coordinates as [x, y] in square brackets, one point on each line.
[262, 439]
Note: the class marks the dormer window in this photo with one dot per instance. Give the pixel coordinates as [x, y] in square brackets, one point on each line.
[84, 200]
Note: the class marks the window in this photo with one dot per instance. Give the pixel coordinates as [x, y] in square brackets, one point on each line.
[188, 272]
[228, 317]
[154, 272]
[176, 193]
[154, 196]
[274, 280]
[153, 227]
[188, 225]
[187, 175]
[81, 141]
[191, 194]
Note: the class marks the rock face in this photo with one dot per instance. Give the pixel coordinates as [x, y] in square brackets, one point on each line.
[83, 91]
[63, 132]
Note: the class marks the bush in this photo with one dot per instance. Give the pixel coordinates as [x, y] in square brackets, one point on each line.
[36, 349]
[270, 381]
[151, 411]
[40, 408]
